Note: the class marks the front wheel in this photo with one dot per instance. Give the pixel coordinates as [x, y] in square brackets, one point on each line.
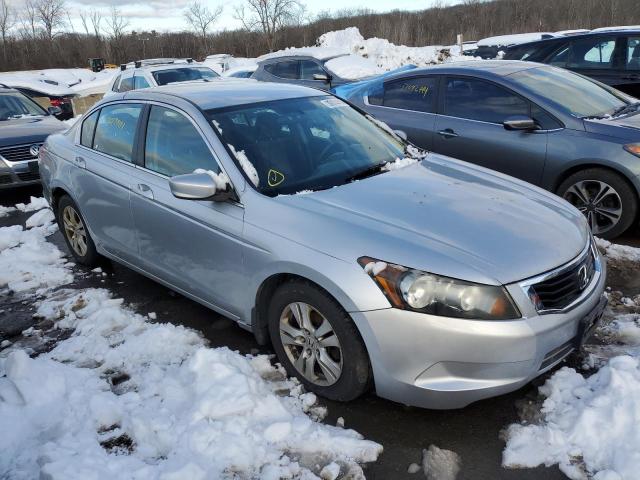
[317, 342]
[604, 197]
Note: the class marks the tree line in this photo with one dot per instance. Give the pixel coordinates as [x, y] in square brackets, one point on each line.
[41, 34]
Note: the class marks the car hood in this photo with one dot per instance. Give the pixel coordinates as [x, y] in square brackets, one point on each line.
[443, 216]
[28, 130]
[627, 127]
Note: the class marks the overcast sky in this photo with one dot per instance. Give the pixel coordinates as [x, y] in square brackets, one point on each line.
[167, 15]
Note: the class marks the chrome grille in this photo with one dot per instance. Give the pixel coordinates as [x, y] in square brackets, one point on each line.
[559, 291]
[18, 153]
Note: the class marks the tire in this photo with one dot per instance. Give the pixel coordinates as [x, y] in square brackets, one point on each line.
[583, 187]
[350, 354]
[70, 220]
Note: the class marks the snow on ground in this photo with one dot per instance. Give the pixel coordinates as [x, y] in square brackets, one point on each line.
[125, 398]
[440, 464]
[5, 210]
[591, 424]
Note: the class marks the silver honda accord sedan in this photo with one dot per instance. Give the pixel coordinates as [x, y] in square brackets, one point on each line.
[364, 261]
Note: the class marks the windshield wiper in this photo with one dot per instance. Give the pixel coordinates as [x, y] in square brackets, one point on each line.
[631, 107]
[367, 172]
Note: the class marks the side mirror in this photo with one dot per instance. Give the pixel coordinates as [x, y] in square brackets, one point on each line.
[520, 122]
[402, 134]
[199, 186]
[54, 110]
[322, 77]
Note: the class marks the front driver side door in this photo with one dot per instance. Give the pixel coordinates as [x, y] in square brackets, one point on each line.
[194, 245]
[470, 128]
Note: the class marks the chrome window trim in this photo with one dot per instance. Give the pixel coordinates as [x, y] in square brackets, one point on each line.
[526, 285]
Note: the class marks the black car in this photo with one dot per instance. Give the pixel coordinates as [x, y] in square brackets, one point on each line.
[609, 56]
[24, 125]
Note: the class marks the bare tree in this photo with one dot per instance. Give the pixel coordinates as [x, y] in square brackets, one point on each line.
[116, 26]
[200, 18]
[84, 18]
[50, 13]
[96, 21]
[7, 21]
[29, 19]
[269, 16]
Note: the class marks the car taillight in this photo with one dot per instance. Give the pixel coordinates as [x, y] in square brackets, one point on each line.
[56, 102]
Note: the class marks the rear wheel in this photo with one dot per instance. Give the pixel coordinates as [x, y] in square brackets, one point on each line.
[317, 342]
[604, 197]
[75, 233]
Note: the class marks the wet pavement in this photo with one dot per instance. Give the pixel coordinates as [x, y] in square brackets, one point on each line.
[474, 432]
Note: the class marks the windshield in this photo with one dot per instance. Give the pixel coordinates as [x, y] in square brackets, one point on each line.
[15, 105]
[312, 143]
[184, 74]
[577, 94]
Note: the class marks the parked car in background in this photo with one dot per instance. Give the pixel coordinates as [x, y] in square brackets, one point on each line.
[156, 72]
[361, 258]
[551, 127]
[611, 56]
[245, 71]
[44, 91]
[314, 67]
[489, 48]
[24, 125]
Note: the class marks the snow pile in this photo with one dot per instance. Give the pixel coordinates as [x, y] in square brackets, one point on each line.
[123, 398]
[440, 464]
[354, 67]
[27, 260]
[590, 423]
[384, 54]
[4, 211]
[35, 203]
[624, 329]
[618, 252]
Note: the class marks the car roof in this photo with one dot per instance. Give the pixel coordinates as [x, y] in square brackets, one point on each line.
[486, 68]
[228, 92]
[594, 33]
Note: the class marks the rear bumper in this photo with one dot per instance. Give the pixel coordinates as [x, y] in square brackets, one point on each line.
[446, 363]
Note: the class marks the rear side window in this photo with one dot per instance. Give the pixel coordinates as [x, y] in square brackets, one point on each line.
[287, 69]
[417, 94]
[633, 53]
[88, 128]
[174, 146]
[140, 82]
[126, 84]
[479, 100]
[116, 130]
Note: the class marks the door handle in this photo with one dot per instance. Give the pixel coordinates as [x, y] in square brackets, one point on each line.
[145, 190]
[79, 161]
[447, 133]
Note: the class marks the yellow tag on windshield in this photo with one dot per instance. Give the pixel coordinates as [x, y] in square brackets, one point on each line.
[274, 178]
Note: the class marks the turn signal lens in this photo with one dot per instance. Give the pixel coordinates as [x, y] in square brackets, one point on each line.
[633, 148]
[410, 289]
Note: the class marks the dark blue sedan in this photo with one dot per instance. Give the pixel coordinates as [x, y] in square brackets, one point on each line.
[551, 127]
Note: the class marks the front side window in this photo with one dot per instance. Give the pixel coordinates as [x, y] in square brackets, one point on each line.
[126, 84]
[633, 53]
[15, 105]
[592, 53]
[116, 130]
[88, 129]
[475, 99]
[309, 68]
[183, 74]
[140, 82]
[286, 69]
[301, 144]
[576, 94]
[417, 94]
[173, 145]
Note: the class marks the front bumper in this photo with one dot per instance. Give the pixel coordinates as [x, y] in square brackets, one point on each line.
[19, 174]
[446, 363]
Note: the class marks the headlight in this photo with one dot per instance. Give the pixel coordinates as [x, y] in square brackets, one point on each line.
[410, 289]
[633, 148]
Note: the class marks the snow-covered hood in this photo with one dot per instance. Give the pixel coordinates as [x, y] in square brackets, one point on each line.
[28, 130]
[627, 128]
[446, 217]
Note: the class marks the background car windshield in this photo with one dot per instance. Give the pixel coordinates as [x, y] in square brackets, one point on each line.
[186, 74]
[15, 105]
[575, 93]
[304, 143]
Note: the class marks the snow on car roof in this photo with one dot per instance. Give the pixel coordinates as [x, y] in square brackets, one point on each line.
[320, 53]
[36, 83]
[614, 29]
[353, 67]
[516, 39]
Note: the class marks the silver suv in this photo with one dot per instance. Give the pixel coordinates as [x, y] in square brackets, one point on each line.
[361, 259]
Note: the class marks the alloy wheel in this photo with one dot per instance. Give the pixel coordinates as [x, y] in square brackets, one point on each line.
[74, 230]
[598, 201]
[311, 344]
